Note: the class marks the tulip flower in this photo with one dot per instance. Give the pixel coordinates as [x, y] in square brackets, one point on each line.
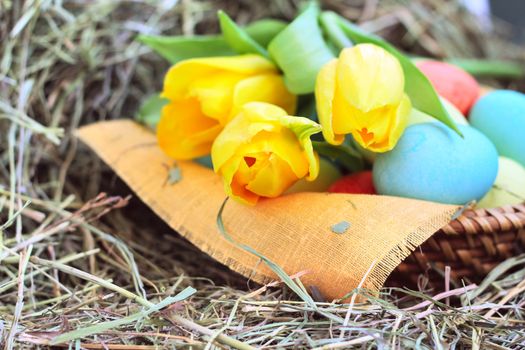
[362, 93]
[263, 151]
[205, 93]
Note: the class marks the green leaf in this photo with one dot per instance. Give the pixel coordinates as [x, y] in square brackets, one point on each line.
[149, 112]
[490, 68]
[178, 48]
[264, 30]
[300, 51]
[344, 154]
[336, 36]
[237, 38]
[417, 85]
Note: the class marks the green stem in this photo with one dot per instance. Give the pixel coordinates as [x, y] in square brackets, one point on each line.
[490, 68]
[346, 155]
[334, 32]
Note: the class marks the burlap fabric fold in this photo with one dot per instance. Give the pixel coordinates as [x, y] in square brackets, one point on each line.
[294, 231]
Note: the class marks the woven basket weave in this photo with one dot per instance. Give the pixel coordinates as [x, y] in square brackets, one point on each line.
[472, 245]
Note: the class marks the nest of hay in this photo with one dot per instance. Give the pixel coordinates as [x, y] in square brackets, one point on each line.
[73, 258]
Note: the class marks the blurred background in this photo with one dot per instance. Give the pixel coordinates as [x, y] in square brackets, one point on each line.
[513, 12]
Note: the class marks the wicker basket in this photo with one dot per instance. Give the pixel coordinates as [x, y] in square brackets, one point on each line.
[471, 246]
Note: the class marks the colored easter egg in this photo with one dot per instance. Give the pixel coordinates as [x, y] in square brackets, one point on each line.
[452, 83]
[500, 115]
[509, 187]
[360, 182]
[432, 162]
[328, 173]
[417, 117]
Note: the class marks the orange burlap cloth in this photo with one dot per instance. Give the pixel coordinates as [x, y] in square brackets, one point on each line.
[293, 231]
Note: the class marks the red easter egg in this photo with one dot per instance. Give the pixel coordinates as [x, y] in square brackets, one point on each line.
[360, 183]
[452, 83]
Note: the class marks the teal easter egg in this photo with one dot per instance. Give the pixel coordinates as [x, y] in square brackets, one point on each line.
[500, 115]
[418, 117]
[433, 163]
[509, 188]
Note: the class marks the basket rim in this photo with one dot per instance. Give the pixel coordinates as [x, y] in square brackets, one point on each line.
[477, 221]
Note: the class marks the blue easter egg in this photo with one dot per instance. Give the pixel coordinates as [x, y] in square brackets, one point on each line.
[500, 115]
[432, 162]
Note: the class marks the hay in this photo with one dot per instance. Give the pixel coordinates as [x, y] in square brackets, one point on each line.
[75, 259]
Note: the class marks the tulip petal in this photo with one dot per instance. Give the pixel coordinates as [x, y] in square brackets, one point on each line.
[284, 144]
[345, 117]
[263, 112]
[263, 151]
[256, 174]
[369, 77]
[384, 127]
[369, 126]
[273, 178]
[418, 87]
[304, 128]
[236, 175]
[184, 132]
[266, 128]
[324, 96]
[253, 118]
[268, 88]
[268, 176]
[362, 93]
[182, 74]
[215, 94]
[377, 130]
[399, 124]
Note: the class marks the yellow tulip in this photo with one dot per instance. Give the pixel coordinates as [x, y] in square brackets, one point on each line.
[263, 151]
[205, 93]
[362, 93]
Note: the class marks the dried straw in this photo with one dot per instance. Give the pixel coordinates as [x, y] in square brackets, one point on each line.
[83, 269]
